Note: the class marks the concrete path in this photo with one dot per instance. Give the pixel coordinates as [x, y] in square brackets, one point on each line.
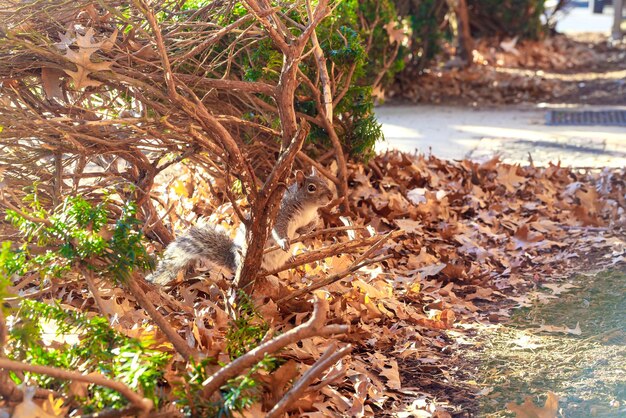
[514, 133]
[581, 19]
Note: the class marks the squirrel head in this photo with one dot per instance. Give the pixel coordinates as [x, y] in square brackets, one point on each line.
[313, 189]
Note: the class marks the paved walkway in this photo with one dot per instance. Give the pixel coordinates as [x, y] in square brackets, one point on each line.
[581, 19]
[514, 132]
[461, 132]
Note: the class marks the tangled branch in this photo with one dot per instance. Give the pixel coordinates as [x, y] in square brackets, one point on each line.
[97, 107]
[313, 327]
[143, 404]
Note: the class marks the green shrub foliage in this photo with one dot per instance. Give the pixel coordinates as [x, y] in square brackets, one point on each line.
[77, 236]
[358, 55]
[426, 22]
[77, 232]
[85, 343]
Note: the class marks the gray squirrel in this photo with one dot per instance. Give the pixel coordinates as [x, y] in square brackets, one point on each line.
[297, 214]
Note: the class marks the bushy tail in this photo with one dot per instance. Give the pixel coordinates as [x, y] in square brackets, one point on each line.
[197, 243]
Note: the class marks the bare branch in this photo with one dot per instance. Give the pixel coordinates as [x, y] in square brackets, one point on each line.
[261, 15]
[11, 392]
[327, 102]
[143, 404]
[24, 215]
[225, 84]
[327, 359]
[332, 250]
[318, 284]
[313, 327]
[264, 211]
[319, 168]
[317, 233]
[177, 341]
[197, 109]
[94, 291]
[213, 39]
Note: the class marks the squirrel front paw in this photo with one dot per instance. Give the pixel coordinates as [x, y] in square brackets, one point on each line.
[284, 244]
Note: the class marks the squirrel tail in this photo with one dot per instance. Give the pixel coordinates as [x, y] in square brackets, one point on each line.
[197, 243]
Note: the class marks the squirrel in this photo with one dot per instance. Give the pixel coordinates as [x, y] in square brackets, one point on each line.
[297, 214]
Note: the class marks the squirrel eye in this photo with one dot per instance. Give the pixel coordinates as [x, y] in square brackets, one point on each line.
[312, 187]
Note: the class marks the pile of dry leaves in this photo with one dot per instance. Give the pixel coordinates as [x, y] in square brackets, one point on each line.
[468, 242]
[556, 69]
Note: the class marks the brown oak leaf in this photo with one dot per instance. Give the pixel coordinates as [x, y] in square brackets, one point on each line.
[82, 60]
[529, 410]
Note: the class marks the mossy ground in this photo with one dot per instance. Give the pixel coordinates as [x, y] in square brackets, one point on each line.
[586, 371]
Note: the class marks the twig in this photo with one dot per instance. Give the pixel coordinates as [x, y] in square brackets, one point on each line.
[211, 40]
[24, 215]
[186, 153]
[39, 293]
[10, 391]
[196, 109]
[317, 233]
[233, 200]
[327, 102]
[341, 248]
[346, 85]
[327, 359]
[226, 84]
[331, 279]
[57, 185]
[341, 161]
[319, 167]
[372, 164]
[313, 327]
[149, 227]
[143, 404]
[177, 341]
[3, 331]
[262, 16]
[94, 291]
[373, 248]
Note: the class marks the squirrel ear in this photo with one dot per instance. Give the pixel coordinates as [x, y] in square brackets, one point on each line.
[313, 171]
[299, 178]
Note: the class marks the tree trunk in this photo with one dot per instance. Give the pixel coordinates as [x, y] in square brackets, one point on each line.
[465, 44]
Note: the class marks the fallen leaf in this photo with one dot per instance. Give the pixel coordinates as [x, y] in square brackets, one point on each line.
[563, 330]
[507, 175]
[391, 372]
[529, 410]
[409, 226]
[51, 82]
[557, 288]
[509, 46]
[526, 342]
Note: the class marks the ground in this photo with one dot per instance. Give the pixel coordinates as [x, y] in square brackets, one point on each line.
[568, 334]
[584, 360]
